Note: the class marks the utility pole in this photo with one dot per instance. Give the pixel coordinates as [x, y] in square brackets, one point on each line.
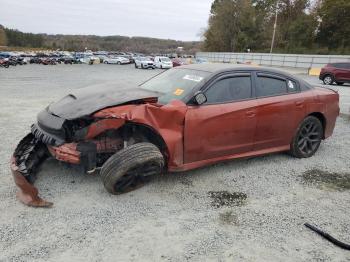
[274, 28]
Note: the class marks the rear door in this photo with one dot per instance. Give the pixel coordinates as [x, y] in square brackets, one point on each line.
[280, 109]
[225, 124]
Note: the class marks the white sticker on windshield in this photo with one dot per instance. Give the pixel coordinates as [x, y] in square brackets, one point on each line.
[290, 84]
[193, 78]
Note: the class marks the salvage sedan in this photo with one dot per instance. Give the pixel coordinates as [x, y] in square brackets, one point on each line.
[183, 118]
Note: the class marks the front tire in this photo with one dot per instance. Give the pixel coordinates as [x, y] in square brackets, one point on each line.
[125, 170]
[328, 79]
[308, 138]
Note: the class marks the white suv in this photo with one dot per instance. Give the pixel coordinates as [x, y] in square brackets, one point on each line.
[144, 62]
[163, 62]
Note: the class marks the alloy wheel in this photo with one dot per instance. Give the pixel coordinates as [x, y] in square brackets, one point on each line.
[309, 138]
[328, 80]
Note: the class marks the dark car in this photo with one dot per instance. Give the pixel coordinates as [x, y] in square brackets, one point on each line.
[184, 118]
[335, 72]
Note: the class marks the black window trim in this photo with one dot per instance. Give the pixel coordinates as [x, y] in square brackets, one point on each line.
[275, 76]
[230, 75]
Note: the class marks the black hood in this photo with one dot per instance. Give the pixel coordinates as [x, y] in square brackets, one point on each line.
[85, 101]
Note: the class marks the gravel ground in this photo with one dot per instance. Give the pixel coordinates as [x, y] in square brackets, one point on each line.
[242, 210]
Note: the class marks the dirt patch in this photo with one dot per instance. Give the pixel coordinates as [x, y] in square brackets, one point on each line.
[327, 180]
[228, 218]
[187, 182]
[225, 198]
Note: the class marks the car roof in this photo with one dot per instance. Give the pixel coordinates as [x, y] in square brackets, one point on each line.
[216, 68]
[222, 67]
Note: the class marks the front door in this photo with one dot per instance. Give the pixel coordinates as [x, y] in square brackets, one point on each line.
[225, 124]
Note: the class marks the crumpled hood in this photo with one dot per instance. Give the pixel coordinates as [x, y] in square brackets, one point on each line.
[85, 101]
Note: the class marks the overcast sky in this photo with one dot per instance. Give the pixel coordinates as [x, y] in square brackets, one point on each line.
[173, 19]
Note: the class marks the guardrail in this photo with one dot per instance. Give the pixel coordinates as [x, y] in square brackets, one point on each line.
[285, 60]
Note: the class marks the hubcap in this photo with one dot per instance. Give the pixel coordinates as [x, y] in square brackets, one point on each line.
[309, 138]
[328, 80]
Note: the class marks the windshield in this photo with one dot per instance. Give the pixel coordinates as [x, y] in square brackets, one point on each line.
[174, 83]
[164, 59]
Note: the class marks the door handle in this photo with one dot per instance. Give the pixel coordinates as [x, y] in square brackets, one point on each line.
[250, 113]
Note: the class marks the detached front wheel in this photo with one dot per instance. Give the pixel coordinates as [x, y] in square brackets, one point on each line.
[125, 170]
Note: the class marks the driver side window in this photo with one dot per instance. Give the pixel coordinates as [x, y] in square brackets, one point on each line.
[229, 89]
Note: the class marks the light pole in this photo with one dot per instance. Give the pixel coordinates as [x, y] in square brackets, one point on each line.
[274, 28]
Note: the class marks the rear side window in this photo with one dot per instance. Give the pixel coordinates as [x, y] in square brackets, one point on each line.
[342, 65]
[229, 89]
[269, 86]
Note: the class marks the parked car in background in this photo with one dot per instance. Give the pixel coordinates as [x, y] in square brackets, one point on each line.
[144, 62]
[335, 72]
[35, 60]
[4, 62]
[48, 61]
[116, 60]
[163, 62]
[129, 57]
[178, 62]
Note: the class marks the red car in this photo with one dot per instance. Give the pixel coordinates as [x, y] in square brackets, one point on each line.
[178, 62]
[335, 72]
[184, 118]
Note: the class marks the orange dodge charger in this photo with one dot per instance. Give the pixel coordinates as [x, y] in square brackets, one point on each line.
[181, 119]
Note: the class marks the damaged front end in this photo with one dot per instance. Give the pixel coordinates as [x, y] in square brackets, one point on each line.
[67, 141]
[90, 140]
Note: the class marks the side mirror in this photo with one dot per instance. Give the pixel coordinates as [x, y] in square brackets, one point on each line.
[200, 98]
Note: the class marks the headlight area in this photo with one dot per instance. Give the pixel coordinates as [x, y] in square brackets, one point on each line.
[89, 146]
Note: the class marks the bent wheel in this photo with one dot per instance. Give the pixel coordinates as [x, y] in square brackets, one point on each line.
[126, 170]
[308, 138]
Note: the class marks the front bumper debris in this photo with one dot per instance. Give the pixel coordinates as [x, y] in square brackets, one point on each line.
[29, 154]
[27, 193]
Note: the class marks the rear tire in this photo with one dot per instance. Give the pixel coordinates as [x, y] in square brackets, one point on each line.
[307, 138]
[328, 79]
[125, 170]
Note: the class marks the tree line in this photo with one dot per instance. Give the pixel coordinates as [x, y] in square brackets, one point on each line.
[303, 26]
[15, 38]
